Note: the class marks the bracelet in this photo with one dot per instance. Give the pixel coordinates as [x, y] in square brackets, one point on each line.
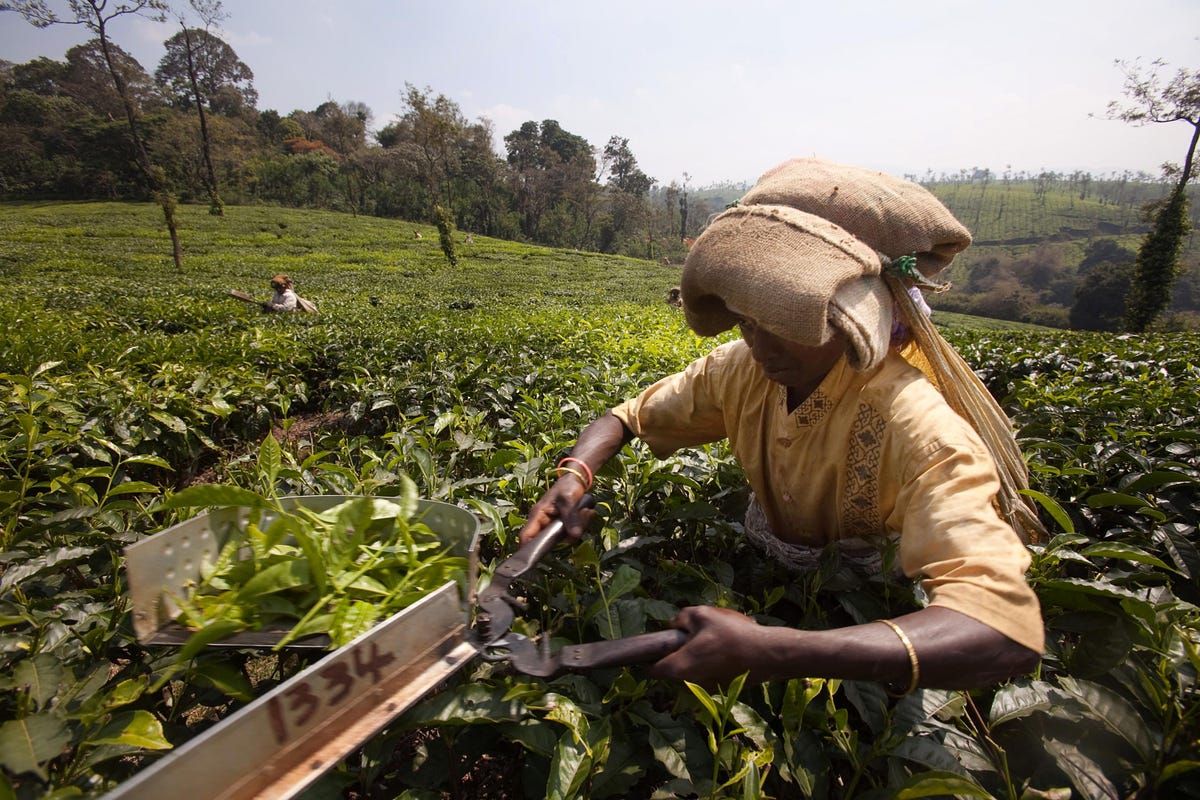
[914, 665]
[576, 473]
[587, 476]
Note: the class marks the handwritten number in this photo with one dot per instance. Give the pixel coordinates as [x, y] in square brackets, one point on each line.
[303, 702]
[278, 725]
[338, 678]
[374, 665]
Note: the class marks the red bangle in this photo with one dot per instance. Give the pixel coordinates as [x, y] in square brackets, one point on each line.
[588, 477]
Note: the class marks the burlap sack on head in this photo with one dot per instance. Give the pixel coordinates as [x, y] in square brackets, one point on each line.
[802, 280]
[795, 274]
[894, 216]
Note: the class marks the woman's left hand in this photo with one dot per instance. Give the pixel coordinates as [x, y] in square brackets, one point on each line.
[721, 645]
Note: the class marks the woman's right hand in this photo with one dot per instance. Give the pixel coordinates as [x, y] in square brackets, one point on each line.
[597, 443]
[561, 501]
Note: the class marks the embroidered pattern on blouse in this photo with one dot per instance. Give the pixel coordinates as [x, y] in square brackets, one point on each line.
[862, 473]
[814, 408]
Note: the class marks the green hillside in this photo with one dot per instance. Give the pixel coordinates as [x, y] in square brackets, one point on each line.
[112, 259]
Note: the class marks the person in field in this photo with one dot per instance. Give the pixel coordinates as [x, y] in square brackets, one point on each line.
[858, 428]
[285, 298]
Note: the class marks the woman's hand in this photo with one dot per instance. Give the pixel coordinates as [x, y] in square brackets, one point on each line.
[721, 645]
[560, 502]
[597, 443]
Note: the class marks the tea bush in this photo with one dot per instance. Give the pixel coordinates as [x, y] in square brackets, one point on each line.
[125, 382]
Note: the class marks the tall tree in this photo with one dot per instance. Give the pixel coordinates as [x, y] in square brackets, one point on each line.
[683, 207]
[484, 197]
[89, 82]
[42, 75]
[1151, 100]
[342, 127]
[197, 68]
[96, 15]
[550, 168]
[444, 160]
[628, 186]
[1100, 295]
[432, 126]
[622, 167]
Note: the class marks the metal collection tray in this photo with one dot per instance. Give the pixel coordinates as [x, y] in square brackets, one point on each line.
[283, 741]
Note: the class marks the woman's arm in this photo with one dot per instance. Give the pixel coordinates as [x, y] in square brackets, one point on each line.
[953, 651]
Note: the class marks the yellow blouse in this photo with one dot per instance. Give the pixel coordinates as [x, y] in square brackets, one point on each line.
[867, 454]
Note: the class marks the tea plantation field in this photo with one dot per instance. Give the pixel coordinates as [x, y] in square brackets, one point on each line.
[123, 382]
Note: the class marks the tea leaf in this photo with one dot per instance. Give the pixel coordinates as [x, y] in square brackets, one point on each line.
[1116, 713]
[1053, 508]
[41, 676]
[137, 728]
[569, 768]
[929, 752]
[275, 578]
[270, 458]
[173, 423]
[26, 744]
[148, 458]
[133, 487]
[939, 784]
[706, 701]
[1084, 773]
[1177, 768]
[1014, 701]
[1125, 552]
[213, 495]
[212, 632]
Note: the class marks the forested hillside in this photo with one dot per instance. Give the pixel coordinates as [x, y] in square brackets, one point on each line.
[1058, 249]
[1050, 248]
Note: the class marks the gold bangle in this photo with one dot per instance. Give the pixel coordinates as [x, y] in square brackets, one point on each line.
[914, 665]
[589, 476]
[576, 473]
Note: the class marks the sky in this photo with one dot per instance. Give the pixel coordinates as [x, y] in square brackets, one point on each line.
[708, 92]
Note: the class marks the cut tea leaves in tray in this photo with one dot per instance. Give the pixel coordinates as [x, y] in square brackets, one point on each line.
[337, 572]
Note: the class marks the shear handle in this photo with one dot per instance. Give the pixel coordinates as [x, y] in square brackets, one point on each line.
[527, 658]
[530, 553]
[641, 649]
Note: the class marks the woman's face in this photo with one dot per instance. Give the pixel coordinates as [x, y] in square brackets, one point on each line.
[787, 362]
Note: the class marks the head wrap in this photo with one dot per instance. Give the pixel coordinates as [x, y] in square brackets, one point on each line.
[800, 254]
[282, 280]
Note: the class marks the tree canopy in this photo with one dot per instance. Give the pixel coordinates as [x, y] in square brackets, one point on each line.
[225, 83]
[1155, 100]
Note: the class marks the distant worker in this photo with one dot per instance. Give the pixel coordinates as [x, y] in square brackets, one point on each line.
[285, 298]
